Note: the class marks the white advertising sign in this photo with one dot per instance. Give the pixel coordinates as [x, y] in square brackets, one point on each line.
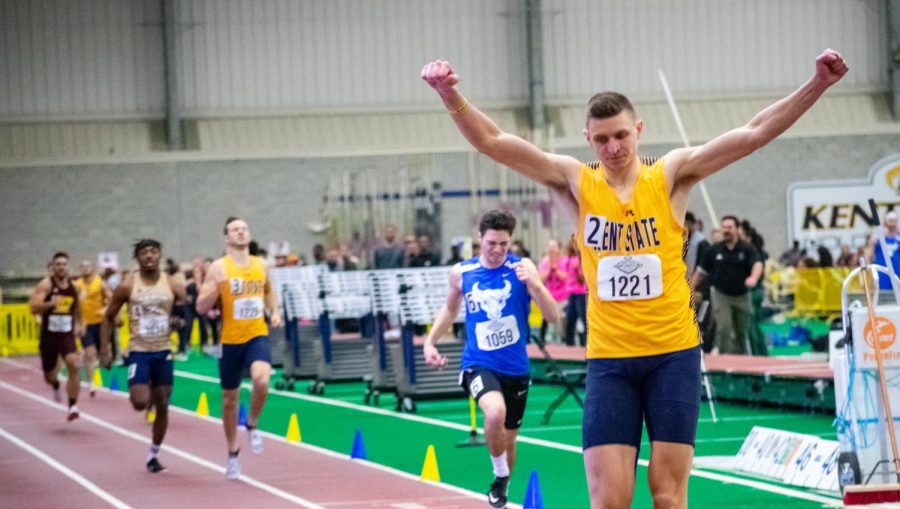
[887, 318]
[835, 212]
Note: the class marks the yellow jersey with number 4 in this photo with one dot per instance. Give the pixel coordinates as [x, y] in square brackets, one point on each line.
[243, 296]
[639, 300]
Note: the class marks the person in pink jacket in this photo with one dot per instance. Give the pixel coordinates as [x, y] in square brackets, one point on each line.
[577, 307]
[555, 273]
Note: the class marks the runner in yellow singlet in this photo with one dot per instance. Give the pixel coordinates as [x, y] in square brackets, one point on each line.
[643, 355]
[241, 281]
[93, 296]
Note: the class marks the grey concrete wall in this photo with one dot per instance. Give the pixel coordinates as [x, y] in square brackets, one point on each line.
[87, 209]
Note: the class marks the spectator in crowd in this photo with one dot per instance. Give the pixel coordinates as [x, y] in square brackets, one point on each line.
[825, 258]
[389, 255]
[757, 293]
[318, 254]
[348, 260]
[807, 262]
[476, 249]
[184, 335]
[427, 254]
[846, 257]
[333, 260]
[792, 256]
[411, 252]
[576, 309]
[518, 248]
[696, 242]
[455, 254]
[553, 269]
[734, 268]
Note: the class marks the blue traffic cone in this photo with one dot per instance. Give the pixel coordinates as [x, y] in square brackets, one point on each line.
[359, 449]
[114, 383]
[533, 498]
[242, 415]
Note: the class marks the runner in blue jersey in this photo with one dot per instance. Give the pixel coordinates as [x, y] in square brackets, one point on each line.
[498, 288]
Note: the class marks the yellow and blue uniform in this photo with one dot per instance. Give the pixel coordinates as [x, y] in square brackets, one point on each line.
[90, 298]
[643, 353]
[244, 329]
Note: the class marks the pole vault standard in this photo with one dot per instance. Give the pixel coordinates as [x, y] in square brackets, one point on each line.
[713, 217]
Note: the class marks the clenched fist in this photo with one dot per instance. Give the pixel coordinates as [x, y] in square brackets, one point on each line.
[830, 66]
[440, 76]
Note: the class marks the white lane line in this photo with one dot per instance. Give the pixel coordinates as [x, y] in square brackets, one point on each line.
[168, 448]
[529, 440]
[333, 454]
[273, 436]
[831, 501]
[86, 484]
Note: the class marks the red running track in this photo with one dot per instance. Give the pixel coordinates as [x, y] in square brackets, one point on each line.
[98, 461]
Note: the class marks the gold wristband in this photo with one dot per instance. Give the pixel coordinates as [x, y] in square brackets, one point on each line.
[457, 110]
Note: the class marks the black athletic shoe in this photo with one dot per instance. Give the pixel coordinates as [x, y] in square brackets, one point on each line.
[155, 467]
[497, 494]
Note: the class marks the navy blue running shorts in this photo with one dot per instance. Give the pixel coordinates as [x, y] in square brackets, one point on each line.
[154, 368]
[621, 393]
[91, 336]
[236, 358]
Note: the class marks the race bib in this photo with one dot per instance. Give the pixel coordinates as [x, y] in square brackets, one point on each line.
[149, 326]
[497, 334]
[630, 277]
[59, 323]
[250, 308]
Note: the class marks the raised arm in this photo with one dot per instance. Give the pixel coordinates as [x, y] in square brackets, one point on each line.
[552, 170]
[209, 289]
[444, 319]
[686, 166]
[528, 274]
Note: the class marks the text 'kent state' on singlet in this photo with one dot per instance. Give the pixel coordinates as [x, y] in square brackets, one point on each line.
[90, 297]
[243, 301]
[497, 307]
[59, 322]
[639, 299]
[149, 312]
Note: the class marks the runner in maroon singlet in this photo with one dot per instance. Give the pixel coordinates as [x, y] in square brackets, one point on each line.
[55, 299]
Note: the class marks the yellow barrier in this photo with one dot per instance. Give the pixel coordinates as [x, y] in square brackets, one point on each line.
[818, 291]
[19, 331]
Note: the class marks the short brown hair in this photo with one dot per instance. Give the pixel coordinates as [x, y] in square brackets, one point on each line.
[606, 105]
[228, 221]
[499, 220]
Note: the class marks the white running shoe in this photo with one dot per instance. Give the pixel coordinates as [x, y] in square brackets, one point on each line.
[233, 468]
[57, 394]
[73, 413]
[256, 442]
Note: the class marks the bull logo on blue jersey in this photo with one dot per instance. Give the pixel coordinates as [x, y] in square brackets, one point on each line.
[492, 301]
